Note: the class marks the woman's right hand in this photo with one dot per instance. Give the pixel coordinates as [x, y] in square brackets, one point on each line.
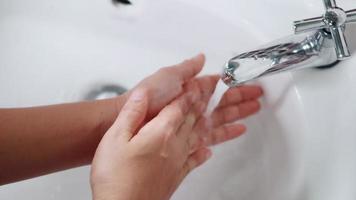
[149, 162]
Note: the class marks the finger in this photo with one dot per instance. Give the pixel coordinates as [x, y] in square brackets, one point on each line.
[189, 68]
[204, 86]
[172, 116]
[192, 87]
[186, 70]
[207, 85]
[232, 113]
[196, 159]
[196, 143]
[186, 134]
[224, 134]
[240, 94]
[132, 114]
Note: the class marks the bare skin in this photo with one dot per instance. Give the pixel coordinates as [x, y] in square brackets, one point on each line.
[135, 162]
[41, 140]
[148, 163]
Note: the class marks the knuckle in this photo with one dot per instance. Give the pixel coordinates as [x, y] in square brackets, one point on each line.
[133, 111]
[168, 125]
[176, 115]
[178, 111]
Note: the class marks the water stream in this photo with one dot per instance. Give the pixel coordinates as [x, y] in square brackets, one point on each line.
[220, 89]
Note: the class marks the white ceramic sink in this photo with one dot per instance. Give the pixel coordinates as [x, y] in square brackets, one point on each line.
[301, 146]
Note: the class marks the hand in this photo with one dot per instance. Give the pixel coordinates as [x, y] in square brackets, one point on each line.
[237, 103]
[168, 83]
[148, 163]
[126, 169]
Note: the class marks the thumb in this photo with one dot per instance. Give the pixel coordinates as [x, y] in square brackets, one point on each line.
[132, 114]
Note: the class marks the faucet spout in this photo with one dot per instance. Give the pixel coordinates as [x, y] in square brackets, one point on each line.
[324, 44]
[292, 53]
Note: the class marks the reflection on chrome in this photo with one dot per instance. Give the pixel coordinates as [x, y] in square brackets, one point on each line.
[319, 42]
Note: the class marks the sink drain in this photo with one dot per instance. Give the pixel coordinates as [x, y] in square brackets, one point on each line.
[125, 2]
[105, 92]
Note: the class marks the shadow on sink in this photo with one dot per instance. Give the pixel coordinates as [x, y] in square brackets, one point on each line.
[267, 158]
[268, 165]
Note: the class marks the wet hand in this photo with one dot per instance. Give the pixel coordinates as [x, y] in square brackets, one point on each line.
[168, 83]
[236, 103]
[148, 162]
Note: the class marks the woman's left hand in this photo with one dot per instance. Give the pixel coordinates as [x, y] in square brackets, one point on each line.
[237, 103]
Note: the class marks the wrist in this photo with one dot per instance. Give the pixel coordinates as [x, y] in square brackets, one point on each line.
[111, 111]
[101, 116]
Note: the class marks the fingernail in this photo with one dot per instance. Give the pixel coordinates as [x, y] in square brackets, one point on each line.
[137, 95]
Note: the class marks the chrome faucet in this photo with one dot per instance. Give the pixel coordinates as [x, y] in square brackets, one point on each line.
[317, 42]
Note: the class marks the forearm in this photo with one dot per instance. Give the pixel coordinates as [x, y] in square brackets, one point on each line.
[41, 140]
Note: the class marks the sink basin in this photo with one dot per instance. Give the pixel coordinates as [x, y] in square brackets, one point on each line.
[301, 146]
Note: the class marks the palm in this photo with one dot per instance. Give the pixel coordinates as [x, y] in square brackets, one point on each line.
[237, 103]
